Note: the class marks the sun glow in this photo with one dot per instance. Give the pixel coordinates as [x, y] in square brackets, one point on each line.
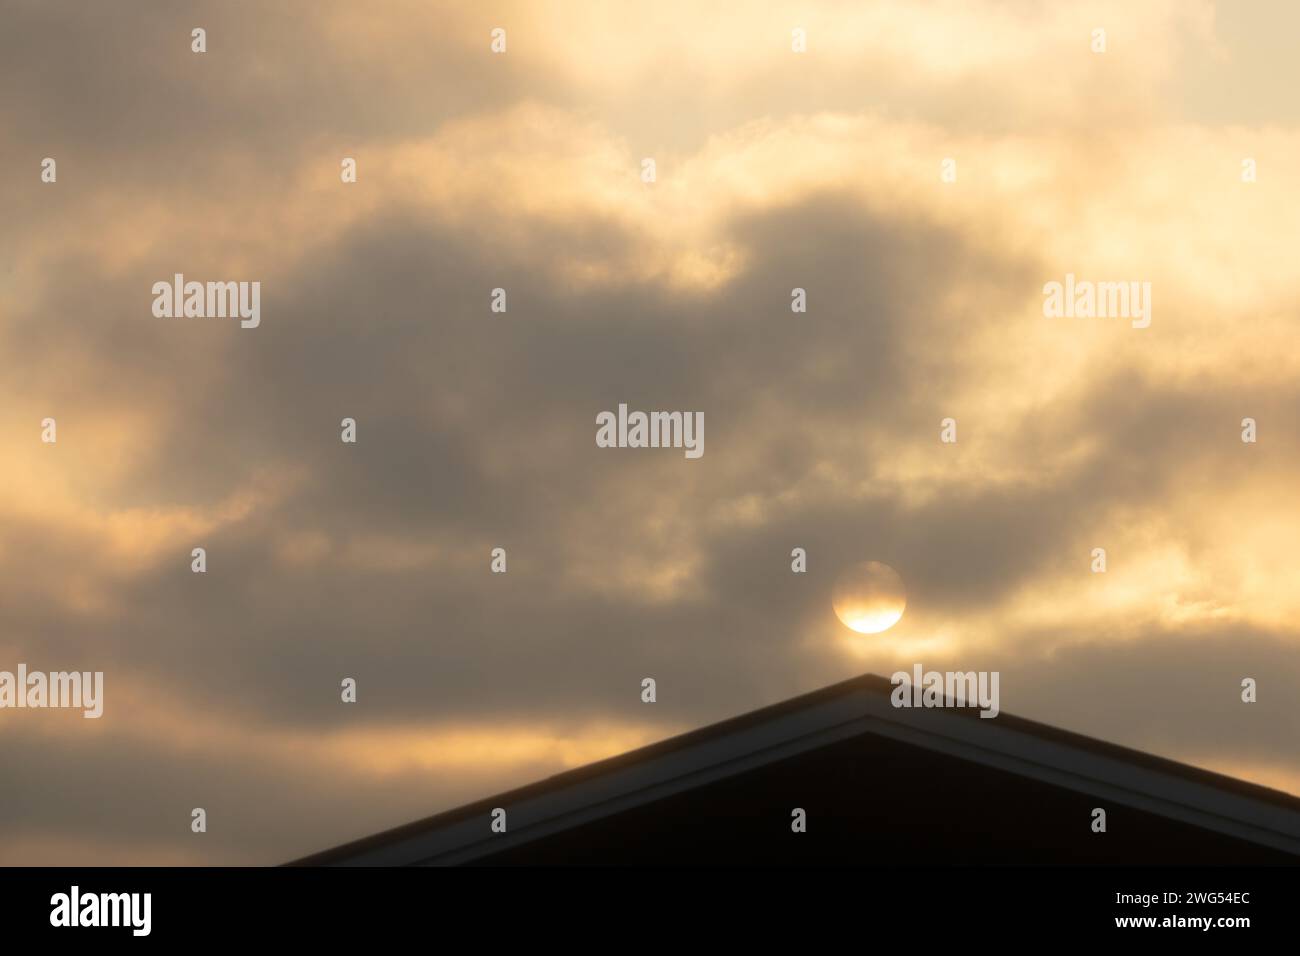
[869, 597]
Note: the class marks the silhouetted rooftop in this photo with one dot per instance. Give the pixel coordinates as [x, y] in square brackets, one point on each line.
[942, 783]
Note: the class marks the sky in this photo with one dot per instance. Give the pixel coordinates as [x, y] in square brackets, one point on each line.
[523, 170]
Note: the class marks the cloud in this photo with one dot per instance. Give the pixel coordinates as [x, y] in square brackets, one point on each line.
[476, 429]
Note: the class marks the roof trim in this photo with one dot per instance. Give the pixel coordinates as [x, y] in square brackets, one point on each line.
[858, 706]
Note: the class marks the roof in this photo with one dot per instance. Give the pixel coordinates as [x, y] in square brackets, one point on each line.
[859, 707]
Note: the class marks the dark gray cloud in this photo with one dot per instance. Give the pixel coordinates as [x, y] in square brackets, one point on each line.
[477, 430]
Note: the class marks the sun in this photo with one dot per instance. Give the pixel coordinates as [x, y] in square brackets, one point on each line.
[869, 597]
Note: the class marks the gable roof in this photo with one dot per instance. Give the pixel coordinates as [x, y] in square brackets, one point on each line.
[855, 707]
